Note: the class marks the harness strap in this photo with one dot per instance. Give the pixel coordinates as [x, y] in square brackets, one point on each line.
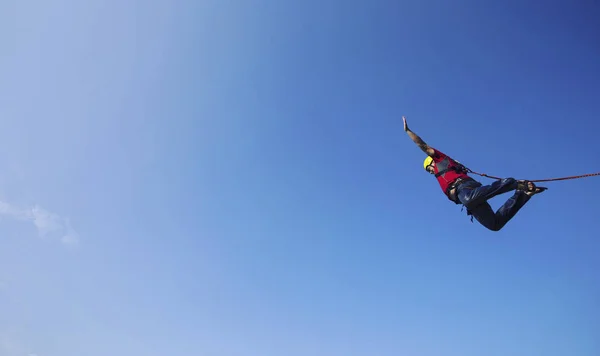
[541, 180]
[443, 171]
[459, 168]
[454, 186]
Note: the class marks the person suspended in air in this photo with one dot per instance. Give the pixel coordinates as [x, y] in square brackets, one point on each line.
[460, 188]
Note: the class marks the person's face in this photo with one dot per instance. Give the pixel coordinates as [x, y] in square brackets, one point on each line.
[430, 168]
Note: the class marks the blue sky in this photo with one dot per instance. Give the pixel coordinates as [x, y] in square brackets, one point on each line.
[230, 178]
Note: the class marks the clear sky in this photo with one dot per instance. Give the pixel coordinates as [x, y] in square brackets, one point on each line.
[231, 178]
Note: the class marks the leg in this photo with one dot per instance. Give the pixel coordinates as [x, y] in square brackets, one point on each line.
[485, 215]
[496, 221]
[475, 194]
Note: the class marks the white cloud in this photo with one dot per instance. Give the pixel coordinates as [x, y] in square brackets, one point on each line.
[13, 212]
[45, 221]
[48, 224]
[71, 236]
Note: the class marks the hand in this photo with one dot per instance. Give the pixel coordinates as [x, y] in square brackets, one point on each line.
[405, 124]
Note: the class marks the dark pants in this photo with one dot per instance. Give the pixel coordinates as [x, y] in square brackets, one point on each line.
[474, 196]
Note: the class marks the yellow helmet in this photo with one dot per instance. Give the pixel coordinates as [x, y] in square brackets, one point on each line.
[427, 162]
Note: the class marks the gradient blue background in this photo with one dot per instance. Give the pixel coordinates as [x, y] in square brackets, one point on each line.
[241, 185]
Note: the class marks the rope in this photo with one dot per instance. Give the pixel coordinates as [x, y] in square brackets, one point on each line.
[542, 180]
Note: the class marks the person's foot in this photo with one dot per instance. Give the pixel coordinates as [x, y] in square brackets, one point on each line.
[529, 188]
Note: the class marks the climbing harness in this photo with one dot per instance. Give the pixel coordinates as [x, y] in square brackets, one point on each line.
[540, 180]
[457, 167]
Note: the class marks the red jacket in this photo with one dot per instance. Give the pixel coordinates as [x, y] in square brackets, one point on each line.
[447, 170]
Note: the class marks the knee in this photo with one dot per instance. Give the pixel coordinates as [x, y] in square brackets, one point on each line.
[495, 227]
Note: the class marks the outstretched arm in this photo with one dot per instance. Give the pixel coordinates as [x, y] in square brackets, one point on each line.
[416, 139]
